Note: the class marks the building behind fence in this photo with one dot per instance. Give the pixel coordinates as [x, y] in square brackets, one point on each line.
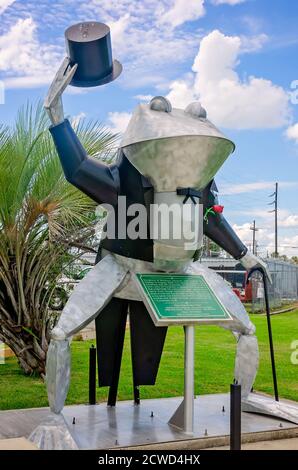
[284, 287]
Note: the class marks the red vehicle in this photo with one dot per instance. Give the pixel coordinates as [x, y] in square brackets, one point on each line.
[237, 279]
[244, 293]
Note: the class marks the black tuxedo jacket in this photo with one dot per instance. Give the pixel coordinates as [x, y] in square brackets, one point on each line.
[104, 183]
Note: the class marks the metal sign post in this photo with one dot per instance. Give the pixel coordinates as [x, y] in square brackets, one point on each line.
[189, 392]
[183, 418]
[186, 300]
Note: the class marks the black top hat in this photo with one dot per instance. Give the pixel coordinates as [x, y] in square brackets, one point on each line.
[89, 46]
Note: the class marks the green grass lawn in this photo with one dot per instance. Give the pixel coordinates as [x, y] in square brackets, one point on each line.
[215, 351]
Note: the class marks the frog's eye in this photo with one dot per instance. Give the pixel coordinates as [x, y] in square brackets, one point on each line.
[196, 110]
[160, 103]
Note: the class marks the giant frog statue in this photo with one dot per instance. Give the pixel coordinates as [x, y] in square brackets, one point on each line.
[167, 157]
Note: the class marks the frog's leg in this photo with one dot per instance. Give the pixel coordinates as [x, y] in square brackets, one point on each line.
[247, 355]
[110, 333]
[88, 299]
[147, 342]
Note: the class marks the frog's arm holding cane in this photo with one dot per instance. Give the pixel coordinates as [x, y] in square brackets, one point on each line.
[217, 228]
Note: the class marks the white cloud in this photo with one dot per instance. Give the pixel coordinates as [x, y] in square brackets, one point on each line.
[118, 29]
[227, 2]
[26, 82]
[177, 12]
[253, 43]
[149, 49]
[264, 238]
[146, 98]
[289, 221]
[75, 120]
[287, 244]
[292, 133]
[182, 92]
[244, 232]
[24, 60]
[118, 121]
[4, 4]
[226, 189]
[230, 101]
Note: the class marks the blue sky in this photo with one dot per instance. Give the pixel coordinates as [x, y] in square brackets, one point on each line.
[239, 57]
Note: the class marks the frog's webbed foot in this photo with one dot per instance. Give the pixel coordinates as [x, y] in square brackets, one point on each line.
[53, 434]
[256, 403]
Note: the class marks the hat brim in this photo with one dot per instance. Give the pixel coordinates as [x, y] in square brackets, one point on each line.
[117, 69]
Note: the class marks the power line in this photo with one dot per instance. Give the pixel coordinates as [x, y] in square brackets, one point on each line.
[275, 213]
[254, 230]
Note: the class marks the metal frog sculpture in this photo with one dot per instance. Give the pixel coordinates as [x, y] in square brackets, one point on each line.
[166, 156]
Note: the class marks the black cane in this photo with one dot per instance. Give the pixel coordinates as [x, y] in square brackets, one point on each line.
[262, 271]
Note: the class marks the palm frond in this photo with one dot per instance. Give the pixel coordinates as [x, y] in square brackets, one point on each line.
[41, 215]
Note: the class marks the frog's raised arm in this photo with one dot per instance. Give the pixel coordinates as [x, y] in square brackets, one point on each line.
[94, 178]
[97, 180]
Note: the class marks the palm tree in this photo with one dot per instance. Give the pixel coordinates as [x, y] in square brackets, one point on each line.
[42, 218]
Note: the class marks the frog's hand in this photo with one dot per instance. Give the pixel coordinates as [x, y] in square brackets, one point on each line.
[53, 101]
[251, 261]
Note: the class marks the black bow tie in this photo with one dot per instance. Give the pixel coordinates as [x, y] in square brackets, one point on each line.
[189, 193]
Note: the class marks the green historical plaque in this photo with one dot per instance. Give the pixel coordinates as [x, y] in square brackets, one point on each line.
[180, 299]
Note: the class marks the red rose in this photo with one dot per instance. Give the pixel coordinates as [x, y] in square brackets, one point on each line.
[218, 209]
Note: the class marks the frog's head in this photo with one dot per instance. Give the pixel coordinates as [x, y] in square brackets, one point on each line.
[174, 147]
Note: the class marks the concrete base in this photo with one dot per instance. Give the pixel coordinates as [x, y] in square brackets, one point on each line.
[127, 425]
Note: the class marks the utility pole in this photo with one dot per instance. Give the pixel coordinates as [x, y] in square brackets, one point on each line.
[208, 248]
[274, 202]
[254, 230]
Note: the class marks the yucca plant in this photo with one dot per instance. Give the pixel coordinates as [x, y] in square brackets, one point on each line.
[45, 223]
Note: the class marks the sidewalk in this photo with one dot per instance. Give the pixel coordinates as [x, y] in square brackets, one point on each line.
[278, 444]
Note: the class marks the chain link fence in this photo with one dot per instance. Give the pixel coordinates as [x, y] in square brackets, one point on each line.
[282, 291]
[284, 287]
